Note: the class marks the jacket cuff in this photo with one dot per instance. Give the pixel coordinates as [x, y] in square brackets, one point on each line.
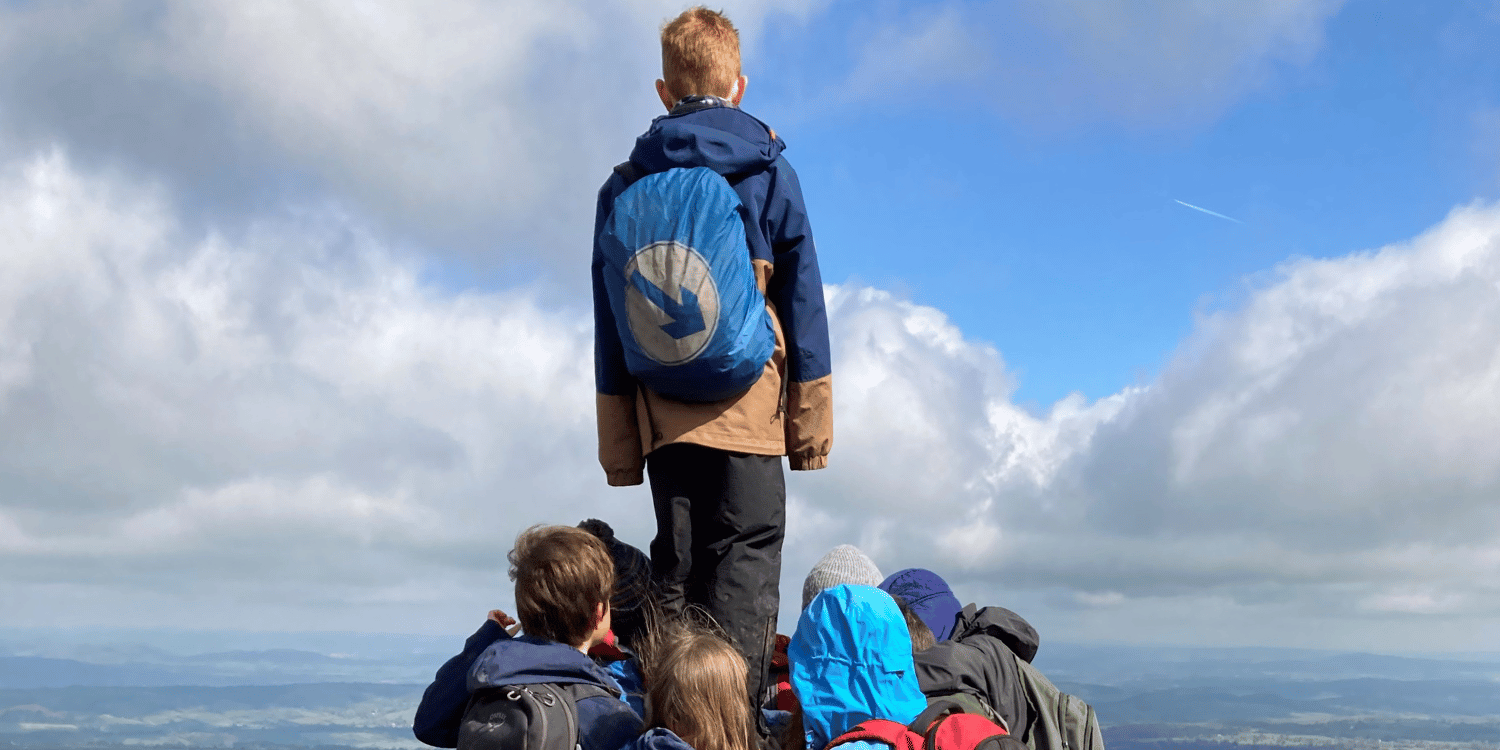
[620, 451]
[808, 463]
[487, 633]
[625, 477]
[809, 423]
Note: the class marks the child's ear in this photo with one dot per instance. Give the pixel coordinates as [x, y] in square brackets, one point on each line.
[738, 92]
[666, 96]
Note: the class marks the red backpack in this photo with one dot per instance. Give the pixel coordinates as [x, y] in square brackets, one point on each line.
[943, 726]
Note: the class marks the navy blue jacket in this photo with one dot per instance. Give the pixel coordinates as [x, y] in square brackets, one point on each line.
[789, 410]
[491, 658]
[660, 739]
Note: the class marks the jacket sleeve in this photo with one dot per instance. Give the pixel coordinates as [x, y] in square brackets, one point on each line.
[619, 432]
[442, 708]
[796, 291]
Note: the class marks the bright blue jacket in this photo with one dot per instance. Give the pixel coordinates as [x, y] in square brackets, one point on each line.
[851, 661]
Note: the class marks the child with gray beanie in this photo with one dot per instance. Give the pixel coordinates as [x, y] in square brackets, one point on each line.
[843, 564]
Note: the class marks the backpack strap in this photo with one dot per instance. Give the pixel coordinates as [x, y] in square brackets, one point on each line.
[936, 709]
[967, 703]
[898, 736]
[580, 690]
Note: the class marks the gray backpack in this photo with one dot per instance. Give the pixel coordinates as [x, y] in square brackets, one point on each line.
[1063, 722]
[542, 716]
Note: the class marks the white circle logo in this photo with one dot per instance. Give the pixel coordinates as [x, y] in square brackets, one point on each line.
[671, 301]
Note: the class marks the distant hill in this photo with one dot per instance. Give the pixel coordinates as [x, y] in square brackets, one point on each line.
[360, 691]
[327, 715]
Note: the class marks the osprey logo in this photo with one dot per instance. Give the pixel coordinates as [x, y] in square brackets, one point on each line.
[671, 302]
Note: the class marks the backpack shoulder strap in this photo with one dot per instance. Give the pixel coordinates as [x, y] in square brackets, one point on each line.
[936, 709]
[897, 735]
[577, 691]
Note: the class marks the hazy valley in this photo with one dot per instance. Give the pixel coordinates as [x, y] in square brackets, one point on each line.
[151, 689]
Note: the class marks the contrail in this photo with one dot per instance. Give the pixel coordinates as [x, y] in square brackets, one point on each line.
[1210, 213]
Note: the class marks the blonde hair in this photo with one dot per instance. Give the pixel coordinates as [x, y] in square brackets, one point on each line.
[696, 685]
[700, 53]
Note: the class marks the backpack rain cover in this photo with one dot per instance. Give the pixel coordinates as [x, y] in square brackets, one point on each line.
[691, 320]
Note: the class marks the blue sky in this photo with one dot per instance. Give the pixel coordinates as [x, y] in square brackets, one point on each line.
[1058, 239]
[295, 334]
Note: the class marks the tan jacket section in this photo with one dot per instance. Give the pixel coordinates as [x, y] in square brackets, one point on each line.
[619, 440]
[809, 423]
[751, 422]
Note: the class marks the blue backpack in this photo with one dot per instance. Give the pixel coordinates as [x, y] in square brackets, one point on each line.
[692, 322]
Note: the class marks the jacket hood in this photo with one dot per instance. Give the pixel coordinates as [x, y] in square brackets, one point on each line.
[528, 660]
[929, 596]
[851, 661]
[1001, 624]
[722, 138]
[659, 739]
[843, 564]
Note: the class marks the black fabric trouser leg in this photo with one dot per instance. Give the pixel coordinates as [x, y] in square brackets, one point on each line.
[720, 521]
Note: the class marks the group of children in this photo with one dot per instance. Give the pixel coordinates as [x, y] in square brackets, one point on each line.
[589, 627]
[611, 649]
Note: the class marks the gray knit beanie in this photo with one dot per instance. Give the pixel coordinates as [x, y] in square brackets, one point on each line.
[843, 564]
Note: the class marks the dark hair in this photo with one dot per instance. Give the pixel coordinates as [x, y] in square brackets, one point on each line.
[921, 635]
[633, 600]
[562, 575]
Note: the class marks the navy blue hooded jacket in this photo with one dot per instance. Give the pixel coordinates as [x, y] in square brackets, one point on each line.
[789, 410]
[492, 658]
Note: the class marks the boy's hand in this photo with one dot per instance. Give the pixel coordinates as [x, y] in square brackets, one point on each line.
[505, 621]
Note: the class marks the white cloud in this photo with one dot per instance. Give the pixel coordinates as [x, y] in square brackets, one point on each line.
[1056, 62]
[1322, 451]
[455, 121]
[290, 400]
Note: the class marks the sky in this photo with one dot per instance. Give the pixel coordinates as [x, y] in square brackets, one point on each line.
[1167, 323]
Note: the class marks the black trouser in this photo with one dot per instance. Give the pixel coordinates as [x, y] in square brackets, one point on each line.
[720, 519]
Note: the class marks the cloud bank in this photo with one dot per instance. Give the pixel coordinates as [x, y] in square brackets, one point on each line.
[289, 419]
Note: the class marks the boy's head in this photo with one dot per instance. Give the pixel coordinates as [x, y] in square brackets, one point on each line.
[700, 55]
[564, 577]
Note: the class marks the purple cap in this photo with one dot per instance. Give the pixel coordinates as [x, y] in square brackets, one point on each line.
[929, 596]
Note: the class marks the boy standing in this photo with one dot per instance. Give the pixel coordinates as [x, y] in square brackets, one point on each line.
[564, 579]
[715, 467]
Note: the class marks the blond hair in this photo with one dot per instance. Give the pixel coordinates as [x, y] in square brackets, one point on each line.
[696, 688]
[700, 53]
[562, 575]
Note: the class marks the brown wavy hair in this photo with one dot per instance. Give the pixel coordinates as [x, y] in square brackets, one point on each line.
[562, 575]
